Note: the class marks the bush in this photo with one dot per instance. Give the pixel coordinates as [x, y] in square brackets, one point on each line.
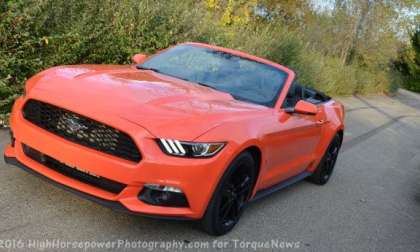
[408, 63]
[37, 34]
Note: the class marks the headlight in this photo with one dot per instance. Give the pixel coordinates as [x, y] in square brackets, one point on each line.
[189, 149]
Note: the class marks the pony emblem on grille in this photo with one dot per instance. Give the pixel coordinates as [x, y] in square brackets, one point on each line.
[74, 125]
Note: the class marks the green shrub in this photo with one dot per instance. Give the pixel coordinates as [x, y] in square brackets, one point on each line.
[37, 34]
[408, 63]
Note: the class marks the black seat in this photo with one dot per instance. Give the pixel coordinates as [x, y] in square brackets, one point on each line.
[295, 94]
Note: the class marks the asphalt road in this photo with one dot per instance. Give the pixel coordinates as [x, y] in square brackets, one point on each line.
[372, 202]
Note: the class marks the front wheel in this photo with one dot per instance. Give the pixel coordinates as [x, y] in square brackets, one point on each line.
[325, 168]
[231, 195]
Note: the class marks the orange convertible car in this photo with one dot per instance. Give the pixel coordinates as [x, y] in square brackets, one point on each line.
[192, 132]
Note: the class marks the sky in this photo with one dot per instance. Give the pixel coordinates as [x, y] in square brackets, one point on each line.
[323, 4]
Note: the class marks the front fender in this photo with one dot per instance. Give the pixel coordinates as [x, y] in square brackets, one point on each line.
[239, 136]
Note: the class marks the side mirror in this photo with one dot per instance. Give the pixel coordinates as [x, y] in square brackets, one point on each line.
[138, 58]
[303, 107]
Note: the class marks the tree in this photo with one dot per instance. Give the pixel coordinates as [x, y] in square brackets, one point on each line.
[409, 63]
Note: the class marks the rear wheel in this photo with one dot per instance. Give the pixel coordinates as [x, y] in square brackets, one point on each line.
[231, 195]
[325, 168]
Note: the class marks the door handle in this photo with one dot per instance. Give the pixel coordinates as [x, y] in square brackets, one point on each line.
[320, 122]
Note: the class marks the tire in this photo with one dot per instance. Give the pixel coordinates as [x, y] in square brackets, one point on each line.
[231, 194]
[325, 168]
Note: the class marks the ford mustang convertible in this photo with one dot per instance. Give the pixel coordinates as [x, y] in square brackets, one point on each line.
[192, 132]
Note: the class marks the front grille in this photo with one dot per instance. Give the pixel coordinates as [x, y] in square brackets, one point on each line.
[81, 130]
[54, 164]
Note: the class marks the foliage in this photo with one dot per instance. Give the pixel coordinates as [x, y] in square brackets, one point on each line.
[409, 63]
[37, 34]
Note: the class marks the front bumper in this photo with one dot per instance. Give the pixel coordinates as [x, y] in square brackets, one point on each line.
[114, 205]
[196, 177]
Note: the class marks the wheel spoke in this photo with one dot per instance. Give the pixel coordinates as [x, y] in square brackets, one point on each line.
[226, 205]
[330, 159]
[244, 186]
[236, 208]
[228, 210]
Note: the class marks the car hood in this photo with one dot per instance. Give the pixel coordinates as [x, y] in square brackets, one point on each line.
[163, 105]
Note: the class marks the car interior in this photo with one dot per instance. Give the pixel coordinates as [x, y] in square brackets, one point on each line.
[299, 92]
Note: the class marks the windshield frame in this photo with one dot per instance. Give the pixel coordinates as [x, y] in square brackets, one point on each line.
[278, 98]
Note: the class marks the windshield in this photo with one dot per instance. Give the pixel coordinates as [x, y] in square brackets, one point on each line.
[244, 79]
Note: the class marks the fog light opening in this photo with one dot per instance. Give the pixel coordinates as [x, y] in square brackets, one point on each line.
[161, 195]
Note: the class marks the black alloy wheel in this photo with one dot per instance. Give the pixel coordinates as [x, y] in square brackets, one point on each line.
[234, 196]
[326, 166]
[231, 196]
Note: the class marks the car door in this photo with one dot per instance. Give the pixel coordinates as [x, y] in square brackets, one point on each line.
[292, 140]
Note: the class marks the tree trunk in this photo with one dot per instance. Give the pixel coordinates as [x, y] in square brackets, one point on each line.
[351, 51]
